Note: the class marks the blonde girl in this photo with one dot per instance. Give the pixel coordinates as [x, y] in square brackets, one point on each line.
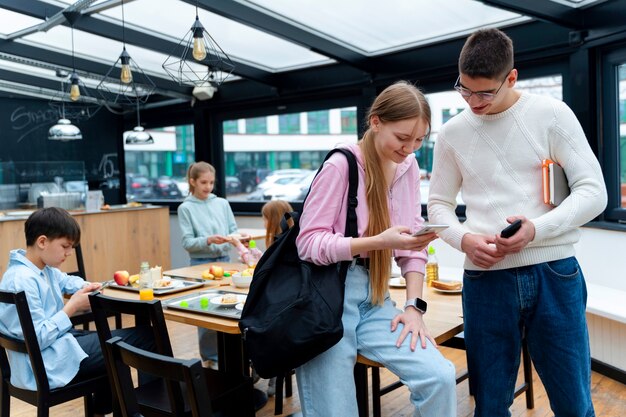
[388, 211]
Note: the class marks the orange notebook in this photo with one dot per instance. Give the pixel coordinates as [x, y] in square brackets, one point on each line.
[555, 187]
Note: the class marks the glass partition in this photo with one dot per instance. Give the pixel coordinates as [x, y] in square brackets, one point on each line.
[32, 184]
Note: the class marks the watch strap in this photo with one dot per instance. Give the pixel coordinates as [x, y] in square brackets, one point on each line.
[419, 304]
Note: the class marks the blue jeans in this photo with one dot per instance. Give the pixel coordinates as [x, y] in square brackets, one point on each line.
[326, 383]
[546, 303]
[207, 339]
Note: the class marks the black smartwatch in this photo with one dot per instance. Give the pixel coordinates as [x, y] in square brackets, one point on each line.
[419, 304]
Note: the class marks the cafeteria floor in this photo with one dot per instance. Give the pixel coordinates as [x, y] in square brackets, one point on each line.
[609, 396]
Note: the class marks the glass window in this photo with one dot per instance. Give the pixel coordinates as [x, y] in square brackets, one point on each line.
[157, 171]
[257, 125]
[281, 166]
[231, 126]
[317, 122]
[622, 132]
[289, 123]
[348, 121]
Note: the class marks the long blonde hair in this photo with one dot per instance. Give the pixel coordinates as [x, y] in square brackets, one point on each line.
[273, 212]
[197, 169]
[399, 101]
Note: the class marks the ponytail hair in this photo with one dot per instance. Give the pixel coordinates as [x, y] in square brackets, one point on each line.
[399, 101]
[195, 170]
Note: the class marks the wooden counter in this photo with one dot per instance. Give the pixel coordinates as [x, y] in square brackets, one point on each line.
[111, 240]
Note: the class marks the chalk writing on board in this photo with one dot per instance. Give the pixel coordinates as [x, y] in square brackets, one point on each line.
[108, 166]
[27, 121]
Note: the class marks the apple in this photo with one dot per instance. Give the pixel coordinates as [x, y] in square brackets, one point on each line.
[207, 275]
[217, 271]
[121, 277]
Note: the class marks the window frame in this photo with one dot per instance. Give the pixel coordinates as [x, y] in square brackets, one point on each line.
[609, 131]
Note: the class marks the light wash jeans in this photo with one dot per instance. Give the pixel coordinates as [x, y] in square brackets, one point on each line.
[207, 339]
[546, 302]
[326, 383]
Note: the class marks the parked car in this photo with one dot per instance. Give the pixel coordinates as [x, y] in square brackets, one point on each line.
[166, 188]
[138, 187]
[233, 185]
[276, 179]
[250, 178]
[293, 191]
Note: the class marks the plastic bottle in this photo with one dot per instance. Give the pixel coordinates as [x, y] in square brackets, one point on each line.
[432, 267]
[252, 255]
[146, 291]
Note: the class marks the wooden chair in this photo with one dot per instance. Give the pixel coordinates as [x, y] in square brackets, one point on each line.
[123, 357]
[229, 394]
[457, 342]
[85, 318]
[44, 397]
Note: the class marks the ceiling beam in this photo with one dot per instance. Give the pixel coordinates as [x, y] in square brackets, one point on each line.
[164, 86]
[257, 18]
[40, 9]
[547, 11]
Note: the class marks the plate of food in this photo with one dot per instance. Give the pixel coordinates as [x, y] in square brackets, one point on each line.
[228, 299]
[397, 282]
[448, 287]
[167, 283]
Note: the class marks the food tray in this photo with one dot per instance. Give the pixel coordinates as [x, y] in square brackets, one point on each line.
[180, 285]
[193, 303]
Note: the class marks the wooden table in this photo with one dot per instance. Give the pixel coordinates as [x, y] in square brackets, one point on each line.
[444, 316]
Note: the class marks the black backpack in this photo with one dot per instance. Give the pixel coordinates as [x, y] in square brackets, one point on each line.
[293, 309]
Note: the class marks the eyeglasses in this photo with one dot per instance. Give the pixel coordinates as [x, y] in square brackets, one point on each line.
[483, 95]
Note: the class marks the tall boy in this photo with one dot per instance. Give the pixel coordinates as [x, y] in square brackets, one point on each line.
[529, 284]
[68, 355]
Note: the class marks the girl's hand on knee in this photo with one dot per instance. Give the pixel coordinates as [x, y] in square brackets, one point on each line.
[413, 323]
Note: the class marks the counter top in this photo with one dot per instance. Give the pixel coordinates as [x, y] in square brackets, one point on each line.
[10, 215]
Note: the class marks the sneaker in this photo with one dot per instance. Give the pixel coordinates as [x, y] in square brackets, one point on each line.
[271, 387]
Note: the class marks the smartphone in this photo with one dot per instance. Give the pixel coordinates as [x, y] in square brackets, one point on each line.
[511, 229]
[430, 228]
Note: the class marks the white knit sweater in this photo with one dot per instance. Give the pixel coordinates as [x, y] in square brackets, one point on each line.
[495, 161]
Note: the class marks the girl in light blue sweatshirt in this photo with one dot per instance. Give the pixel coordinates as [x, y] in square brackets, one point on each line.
[205, 221]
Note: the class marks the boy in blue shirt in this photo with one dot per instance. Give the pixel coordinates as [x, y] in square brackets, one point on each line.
[68, 354]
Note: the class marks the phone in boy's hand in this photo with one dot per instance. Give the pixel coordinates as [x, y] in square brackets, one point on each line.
[430, 228]
[511, 229]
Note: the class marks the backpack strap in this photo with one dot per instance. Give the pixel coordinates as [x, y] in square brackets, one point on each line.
[353, 186]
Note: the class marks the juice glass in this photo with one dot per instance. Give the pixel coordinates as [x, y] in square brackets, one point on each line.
[146, 294]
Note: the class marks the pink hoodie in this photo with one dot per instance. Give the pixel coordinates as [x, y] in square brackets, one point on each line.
[323, 219]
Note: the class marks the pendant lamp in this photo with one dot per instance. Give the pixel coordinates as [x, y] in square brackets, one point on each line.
[76, 101]
[138, 136]
[198, 47]
[64, 130]
[125, 82]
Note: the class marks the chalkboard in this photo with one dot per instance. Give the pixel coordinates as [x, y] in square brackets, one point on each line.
[24, 125]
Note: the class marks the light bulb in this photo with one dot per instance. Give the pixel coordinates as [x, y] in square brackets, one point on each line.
[126, 76]
[199, 50]
[74, 92]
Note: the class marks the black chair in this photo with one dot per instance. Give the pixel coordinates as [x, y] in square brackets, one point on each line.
[123, 356]
[85, 318]
[230, 394]
[44, 397]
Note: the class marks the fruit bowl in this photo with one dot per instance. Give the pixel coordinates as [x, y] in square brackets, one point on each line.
[241, 281]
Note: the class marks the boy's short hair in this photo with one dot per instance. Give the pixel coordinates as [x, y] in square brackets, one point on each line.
[487, 53]
[52, 222]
